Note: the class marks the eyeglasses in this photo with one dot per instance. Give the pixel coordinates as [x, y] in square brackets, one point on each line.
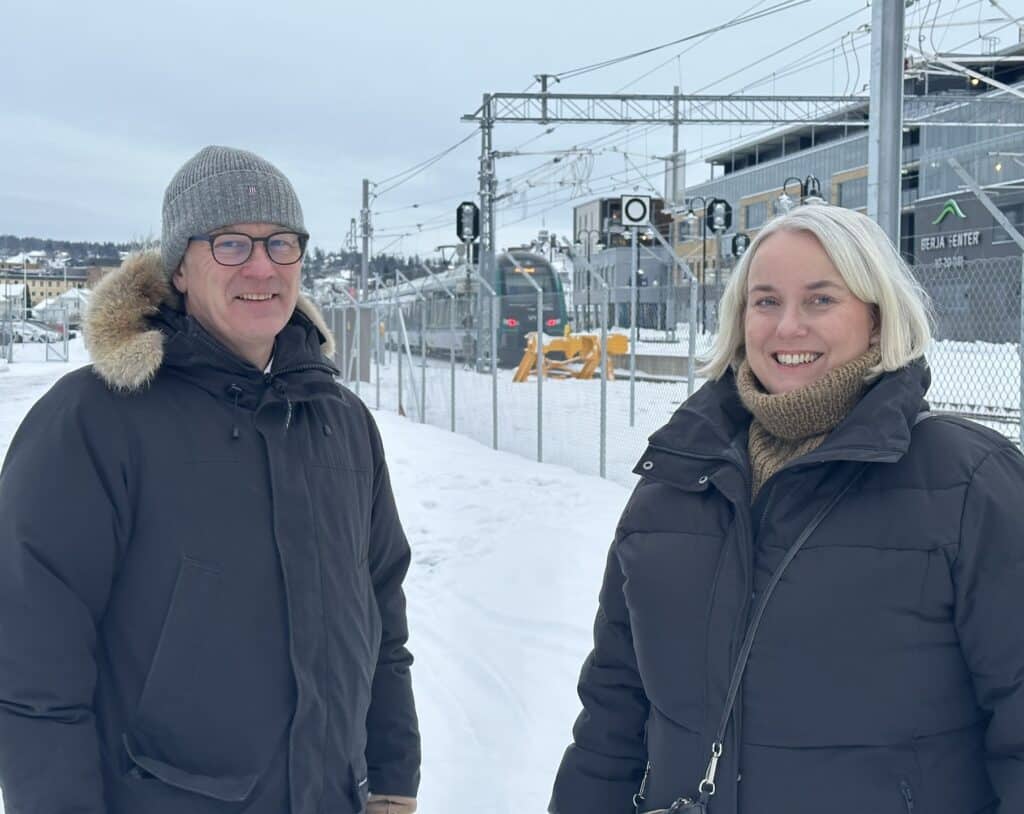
[235, 248]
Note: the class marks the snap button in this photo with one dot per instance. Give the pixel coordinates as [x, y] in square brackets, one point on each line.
[648, 465]
[702, 479]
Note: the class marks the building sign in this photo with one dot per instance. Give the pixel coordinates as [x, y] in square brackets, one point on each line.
[951, 240]
[951, 207]
[952, 231]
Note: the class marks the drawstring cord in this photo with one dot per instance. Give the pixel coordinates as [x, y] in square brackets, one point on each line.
[235, 391]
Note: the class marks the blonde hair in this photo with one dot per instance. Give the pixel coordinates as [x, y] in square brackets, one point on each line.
[869, 265]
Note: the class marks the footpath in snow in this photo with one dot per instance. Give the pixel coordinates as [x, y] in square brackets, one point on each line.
[507, 562]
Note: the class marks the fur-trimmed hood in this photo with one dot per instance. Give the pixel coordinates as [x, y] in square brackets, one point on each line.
[126, 349]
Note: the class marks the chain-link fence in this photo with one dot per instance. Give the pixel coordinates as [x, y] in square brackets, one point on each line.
[429, 357]
[975, 359]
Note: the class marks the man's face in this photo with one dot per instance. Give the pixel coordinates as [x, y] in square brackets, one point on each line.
[246, 306]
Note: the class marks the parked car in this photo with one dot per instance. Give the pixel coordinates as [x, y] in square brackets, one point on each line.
[28, 331]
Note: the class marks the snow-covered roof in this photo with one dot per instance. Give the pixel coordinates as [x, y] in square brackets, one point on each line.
[74, 295]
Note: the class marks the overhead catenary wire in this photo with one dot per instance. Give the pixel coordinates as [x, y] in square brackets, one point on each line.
[412, 172]
[786, 5]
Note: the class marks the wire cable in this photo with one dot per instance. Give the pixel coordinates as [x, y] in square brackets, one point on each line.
[786, 5]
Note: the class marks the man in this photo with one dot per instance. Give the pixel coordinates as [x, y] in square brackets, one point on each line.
[201, 564]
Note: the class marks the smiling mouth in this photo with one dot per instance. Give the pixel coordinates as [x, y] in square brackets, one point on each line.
[796, 359]
[255, 297]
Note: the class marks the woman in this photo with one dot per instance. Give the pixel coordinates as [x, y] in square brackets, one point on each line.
[885, 676]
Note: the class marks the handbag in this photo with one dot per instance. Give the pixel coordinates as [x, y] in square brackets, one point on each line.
[706, 788]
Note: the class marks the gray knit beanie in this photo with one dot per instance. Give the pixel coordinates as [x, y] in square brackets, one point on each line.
[219, 186]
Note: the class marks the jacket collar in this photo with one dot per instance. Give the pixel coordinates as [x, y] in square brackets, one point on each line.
[136, 325]
[712, 424]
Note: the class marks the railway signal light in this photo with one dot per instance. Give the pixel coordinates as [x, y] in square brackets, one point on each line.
[467, 221]
[636, 210]
[720, 214]
[740, 242]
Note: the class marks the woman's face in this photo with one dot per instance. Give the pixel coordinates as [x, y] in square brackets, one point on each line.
[801, 320]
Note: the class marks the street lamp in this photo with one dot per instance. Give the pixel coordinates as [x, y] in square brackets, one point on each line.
[592, 242]
[810, 193]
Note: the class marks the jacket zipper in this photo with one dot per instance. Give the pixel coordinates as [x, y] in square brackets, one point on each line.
[736, 460]
[639, 796]
[908, 796]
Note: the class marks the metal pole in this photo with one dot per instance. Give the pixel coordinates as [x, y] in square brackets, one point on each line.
[885, 116]
[344, 343]
[495, 315]
[451, 349]
[364, 214]
[1020, 405]
[675, 147]
[690, 367]
[376, 354]
[358, 341]
[399, 369]
[704, 270]
[451, 327]
[488, 183]
[540, 372]
[604, 383]
[633, 333]
[718, 276]
[423, 360]
[603, 441]
[540, 364]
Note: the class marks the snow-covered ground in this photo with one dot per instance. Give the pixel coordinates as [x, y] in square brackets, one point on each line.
[507, 560]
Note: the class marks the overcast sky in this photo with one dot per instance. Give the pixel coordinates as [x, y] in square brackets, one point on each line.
[104, 100]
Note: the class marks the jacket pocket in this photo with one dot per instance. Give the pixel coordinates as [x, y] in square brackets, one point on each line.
[198, 724]
[163, 701]
[229, 788]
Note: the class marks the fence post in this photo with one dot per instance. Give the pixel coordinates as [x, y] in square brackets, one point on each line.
[376, 354]
[423, 361]
[495, 313]
[451, 349]
[357, 342]
[398, 368]
[344, 343]
[604, 382]
[634, 331]
[691, 344]
[1020, 405]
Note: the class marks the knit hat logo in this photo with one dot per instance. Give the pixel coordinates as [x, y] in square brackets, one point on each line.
[221, 186]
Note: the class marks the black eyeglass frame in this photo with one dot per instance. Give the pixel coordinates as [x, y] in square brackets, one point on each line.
[302, 236]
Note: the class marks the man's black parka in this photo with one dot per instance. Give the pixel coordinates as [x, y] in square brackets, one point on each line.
[886, 676]
[200, 580]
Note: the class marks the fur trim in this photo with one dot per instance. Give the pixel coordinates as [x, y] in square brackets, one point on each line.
[309, 309]
[126, 352]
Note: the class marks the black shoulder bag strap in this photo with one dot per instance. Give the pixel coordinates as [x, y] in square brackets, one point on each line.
[707, 785]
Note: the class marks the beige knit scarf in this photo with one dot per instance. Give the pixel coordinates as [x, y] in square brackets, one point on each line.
[788, 425]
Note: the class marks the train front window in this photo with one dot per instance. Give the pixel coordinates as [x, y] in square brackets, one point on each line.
[517, 278]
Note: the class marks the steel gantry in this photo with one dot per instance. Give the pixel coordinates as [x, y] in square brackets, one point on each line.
[614, 108]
